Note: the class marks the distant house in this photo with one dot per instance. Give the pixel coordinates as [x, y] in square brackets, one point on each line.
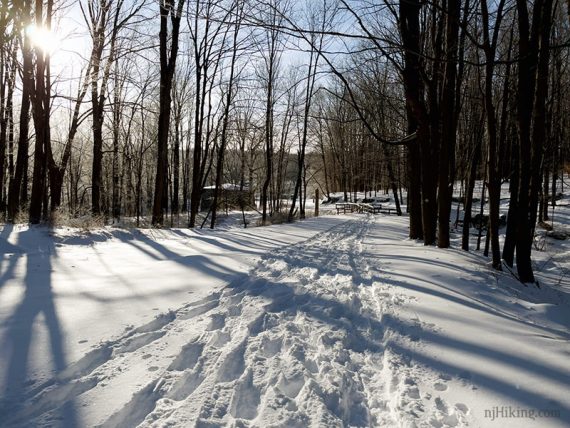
[230, 197]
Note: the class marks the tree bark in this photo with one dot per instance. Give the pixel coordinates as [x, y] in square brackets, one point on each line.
[223, 137]
[41, 113]
[417, 118]
[449, 125]
[167, 68]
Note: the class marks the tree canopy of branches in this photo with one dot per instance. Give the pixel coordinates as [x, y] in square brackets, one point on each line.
[139, 110]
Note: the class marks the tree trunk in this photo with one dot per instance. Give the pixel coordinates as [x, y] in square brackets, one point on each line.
[268, 146]
[449, 125]
[223, 137]
[532, 87]
[421, 205]
[469, 191]
[176, 166]
[18, 185]
[116, 191]
[167, 68]
[41, 113]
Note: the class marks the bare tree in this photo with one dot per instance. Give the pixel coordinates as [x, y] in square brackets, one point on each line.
[237, 8]
[271, 49]
[168, 8]
[41, 101]
[316, 46]
[17, 194]
[105, 19]
[57, 170]
[208, 34]
[532, 85]
[8, 62]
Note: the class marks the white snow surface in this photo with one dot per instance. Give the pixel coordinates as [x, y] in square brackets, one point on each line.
[332, 322]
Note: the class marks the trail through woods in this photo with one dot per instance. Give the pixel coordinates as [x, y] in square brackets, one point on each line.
[345, 328]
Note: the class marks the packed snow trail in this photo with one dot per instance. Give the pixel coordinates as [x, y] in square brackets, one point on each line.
[349, 323]
[301, 341]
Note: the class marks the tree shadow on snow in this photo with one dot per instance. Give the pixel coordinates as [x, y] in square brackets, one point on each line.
[34, 316]
[285, 298]
[10, 253]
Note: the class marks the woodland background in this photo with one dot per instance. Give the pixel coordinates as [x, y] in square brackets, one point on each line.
[121, 109]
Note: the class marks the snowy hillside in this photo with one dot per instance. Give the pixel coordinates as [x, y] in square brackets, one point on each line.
[335, 321]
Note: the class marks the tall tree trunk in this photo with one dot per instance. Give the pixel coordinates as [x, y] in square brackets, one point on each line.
[449, 125]
[392, 179]
[414, 182]
[539, 110]
[195, 194]
[474, 165]
[97, 106]
[545, 197]
[116, 187]
[532, 86]
[421, 205]
[99, 82]
[511, 234]
[223, 137]
[268, 146]
[301, 155]
[176, 165]
[493, 154]
[8, 74]
[18, 185]
[41, 112]
[167, 68]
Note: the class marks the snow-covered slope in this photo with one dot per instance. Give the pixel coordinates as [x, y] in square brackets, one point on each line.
[336, 321]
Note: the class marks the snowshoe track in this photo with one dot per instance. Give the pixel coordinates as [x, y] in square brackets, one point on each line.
[300, 341]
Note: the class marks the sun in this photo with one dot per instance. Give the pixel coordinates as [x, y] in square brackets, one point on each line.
[42, 38]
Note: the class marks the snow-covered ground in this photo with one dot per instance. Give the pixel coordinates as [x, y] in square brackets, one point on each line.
[334, 321]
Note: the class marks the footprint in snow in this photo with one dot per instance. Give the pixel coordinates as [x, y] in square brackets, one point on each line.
[217, 322]
[446, 416]
[462, 408]
[271, 347]
[233, 366]
[139, 341]
[219, 339]
[246, 398]
[414, 393]
[196, 311]
[186, 384]
[440, 386]
[188, 357]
